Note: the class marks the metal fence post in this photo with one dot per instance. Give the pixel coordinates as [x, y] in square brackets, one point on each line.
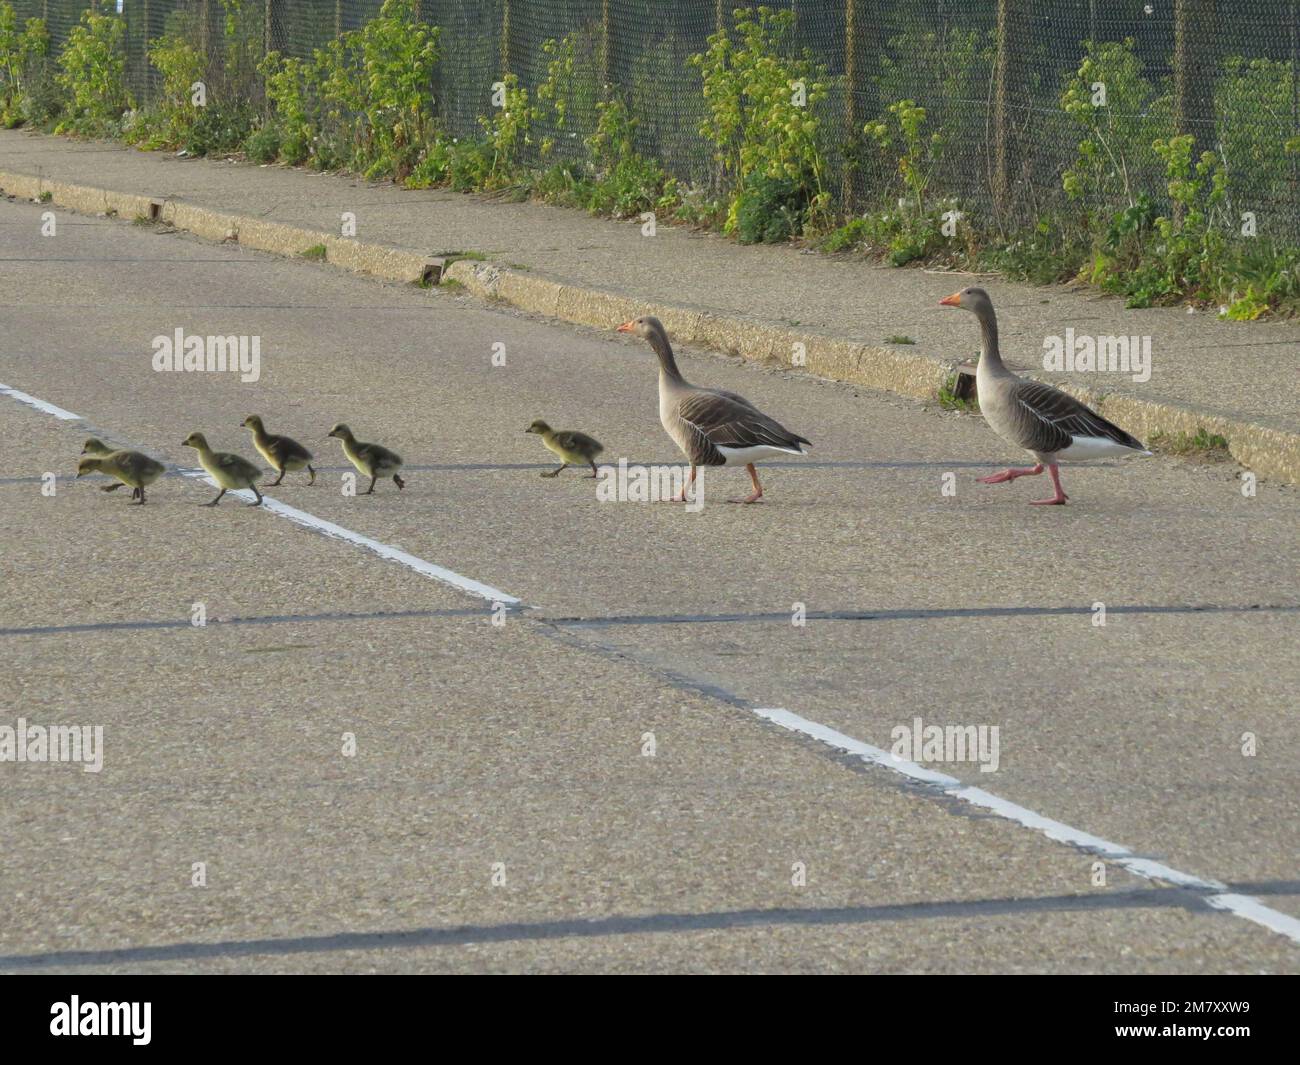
[1195, 66]
[505, 37]
[1008, 82]
[853, 118]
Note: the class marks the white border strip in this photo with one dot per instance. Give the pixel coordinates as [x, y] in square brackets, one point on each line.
[383, 550]
[40, 405]
[310, 521]
[1218, 897]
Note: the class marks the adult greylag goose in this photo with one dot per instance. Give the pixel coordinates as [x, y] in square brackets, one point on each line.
[711, 426]
[283, 453]
[373, 460]
[1052, 426]
[129, 467]
[572, 447]
[229, 470]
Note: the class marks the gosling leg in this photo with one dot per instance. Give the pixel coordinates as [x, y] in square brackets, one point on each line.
[556, 472]
[400, 483]
[313, 475]
[272, 484]
[371, 490]
[256, 493]
[215, 501]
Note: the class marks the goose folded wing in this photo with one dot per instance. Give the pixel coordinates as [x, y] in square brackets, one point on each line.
[723, 419]
[1051, 419]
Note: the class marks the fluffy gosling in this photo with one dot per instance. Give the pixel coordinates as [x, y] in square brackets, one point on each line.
[573, 448]
[227, 469]
[370, 459]
[284, 454]
[129, 467]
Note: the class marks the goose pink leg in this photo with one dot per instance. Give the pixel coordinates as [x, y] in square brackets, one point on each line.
[1011, 475]
[681, 496]
[1060, 496]
[758, 488]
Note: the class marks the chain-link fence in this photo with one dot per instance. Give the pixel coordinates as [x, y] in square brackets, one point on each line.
[999, 79]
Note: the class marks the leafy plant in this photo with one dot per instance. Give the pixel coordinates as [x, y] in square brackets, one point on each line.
[92, 71]
[762, 120]
[23, 55]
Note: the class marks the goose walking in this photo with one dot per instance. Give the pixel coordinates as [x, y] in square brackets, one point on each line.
[572, 447]
[131, 468]
[371, 459]
[229, 470]
[711, 426]
[284, 454]
[1052, 426]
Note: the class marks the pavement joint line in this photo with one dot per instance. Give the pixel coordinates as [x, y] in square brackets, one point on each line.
[1217, 896]
[254, 619]
[487, 467]
[783, 616]
[1266, 449]
[615, 925]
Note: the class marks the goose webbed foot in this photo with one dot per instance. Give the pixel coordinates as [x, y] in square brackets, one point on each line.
[215, 501]
[313, 476]
[256, 493]
[398, 481]
[1056, 500]
[1011, 475]
[555, 472]
[594, 473]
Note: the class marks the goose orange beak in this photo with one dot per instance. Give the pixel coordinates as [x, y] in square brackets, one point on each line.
[951, 301]
[626, 327]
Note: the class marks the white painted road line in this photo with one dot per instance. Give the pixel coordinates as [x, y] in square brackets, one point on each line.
[383, 550]
[1217, 895]
[40, 404]
[310, 521]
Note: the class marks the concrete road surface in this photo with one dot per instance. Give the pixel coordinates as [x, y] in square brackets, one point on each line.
[667, 754]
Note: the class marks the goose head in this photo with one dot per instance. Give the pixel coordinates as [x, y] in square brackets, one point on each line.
[254, 422]
[646, 327]
[94, 446]
[972, 299]
[196, 440]
[341, 431]
[89, 465]
[538, 427]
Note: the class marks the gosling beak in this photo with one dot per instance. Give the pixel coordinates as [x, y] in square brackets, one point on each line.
[626, 327]
[951, 301]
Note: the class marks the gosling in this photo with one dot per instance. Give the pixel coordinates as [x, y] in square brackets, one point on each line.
[370, 459]
[95, 446]
[573, 448]
[284, 454]
[229, 470]
[130, 468]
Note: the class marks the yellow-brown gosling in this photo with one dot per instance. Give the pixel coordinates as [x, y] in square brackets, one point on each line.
[284, 454]
[130, 467]
[95, 446]
[371, 459]
[573, 448]
[229, 470]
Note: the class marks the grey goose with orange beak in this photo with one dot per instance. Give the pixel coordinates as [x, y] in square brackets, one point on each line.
[713, 427]
[1052, 426]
